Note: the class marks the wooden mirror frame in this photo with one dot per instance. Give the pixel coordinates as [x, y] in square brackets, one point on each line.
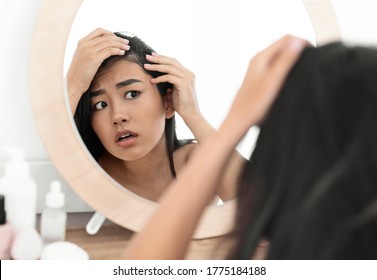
[63, 144]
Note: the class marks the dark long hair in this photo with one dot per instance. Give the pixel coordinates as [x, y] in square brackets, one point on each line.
[311, 183]
[137, 53]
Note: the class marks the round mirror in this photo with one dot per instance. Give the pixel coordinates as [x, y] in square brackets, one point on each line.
[214, 39]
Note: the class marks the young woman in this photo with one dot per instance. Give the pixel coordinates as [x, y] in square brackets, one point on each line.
[311, 184]
[124, 96]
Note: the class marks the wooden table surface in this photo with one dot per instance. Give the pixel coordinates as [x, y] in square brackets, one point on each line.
[111, 240]
[107, 244]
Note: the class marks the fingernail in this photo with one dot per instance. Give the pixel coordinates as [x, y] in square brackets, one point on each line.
[127, 47]
[126, 41]
[122, 52]
[154, 54]
[263, 242]
[297, 44]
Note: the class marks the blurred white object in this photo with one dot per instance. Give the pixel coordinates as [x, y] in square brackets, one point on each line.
[63, 250]
[27, 245]
[20, 189]
[54, 218]
[95, 223]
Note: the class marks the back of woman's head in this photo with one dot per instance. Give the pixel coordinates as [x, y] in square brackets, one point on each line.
[311, 183]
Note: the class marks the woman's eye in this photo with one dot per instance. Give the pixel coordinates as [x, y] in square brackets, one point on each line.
[132, 94]
[100, 105]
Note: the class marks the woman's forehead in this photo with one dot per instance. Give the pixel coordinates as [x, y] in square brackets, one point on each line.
[119, 71]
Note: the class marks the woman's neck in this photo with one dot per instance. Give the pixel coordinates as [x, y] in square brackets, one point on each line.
[148, 176]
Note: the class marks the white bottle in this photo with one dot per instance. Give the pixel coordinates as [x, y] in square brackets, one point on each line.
[6, 232]
[20, 190]
[54, 218]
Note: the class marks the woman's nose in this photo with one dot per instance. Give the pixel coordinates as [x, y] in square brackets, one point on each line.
[117, 122]
[118, 117]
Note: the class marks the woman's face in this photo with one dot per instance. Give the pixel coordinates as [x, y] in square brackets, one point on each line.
[128, 110]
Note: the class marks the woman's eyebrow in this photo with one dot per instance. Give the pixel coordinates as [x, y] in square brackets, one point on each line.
[118, 86]
[127, 83]
[96, 93]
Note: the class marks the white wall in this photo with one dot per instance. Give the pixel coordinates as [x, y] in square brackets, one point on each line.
[17, 127]
[358, 20]
[16, 121]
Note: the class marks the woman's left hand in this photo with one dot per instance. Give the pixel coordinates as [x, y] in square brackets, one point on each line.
[183, 95]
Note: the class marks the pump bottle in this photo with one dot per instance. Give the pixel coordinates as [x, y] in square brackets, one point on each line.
[6, 232]
[20, 191]
[54, 218]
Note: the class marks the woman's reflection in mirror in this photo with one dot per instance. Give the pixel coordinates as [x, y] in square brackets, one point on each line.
[124, 97]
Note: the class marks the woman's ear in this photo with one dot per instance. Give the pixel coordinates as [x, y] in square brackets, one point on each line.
[168, 101]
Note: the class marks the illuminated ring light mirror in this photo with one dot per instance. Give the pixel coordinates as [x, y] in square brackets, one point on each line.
[64, 146]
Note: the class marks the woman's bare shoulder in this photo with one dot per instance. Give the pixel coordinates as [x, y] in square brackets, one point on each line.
[183, 154]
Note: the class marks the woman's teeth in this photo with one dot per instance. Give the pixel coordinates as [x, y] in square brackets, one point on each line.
[124, 137]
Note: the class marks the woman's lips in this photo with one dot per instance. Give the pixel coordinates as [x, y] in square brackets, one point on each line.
[124, 134]
[125, 138]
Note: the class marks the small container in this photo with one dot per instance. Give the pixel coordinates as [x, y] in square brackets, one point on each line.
[63, 250]
[6, 232]
[54, 218]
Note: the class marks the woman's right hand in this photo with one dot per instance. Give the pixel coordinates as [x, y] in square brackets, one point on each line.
[91, 51]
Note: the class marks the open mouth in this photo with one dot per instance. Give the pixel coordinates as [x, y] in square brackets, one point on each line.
[125, 137]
